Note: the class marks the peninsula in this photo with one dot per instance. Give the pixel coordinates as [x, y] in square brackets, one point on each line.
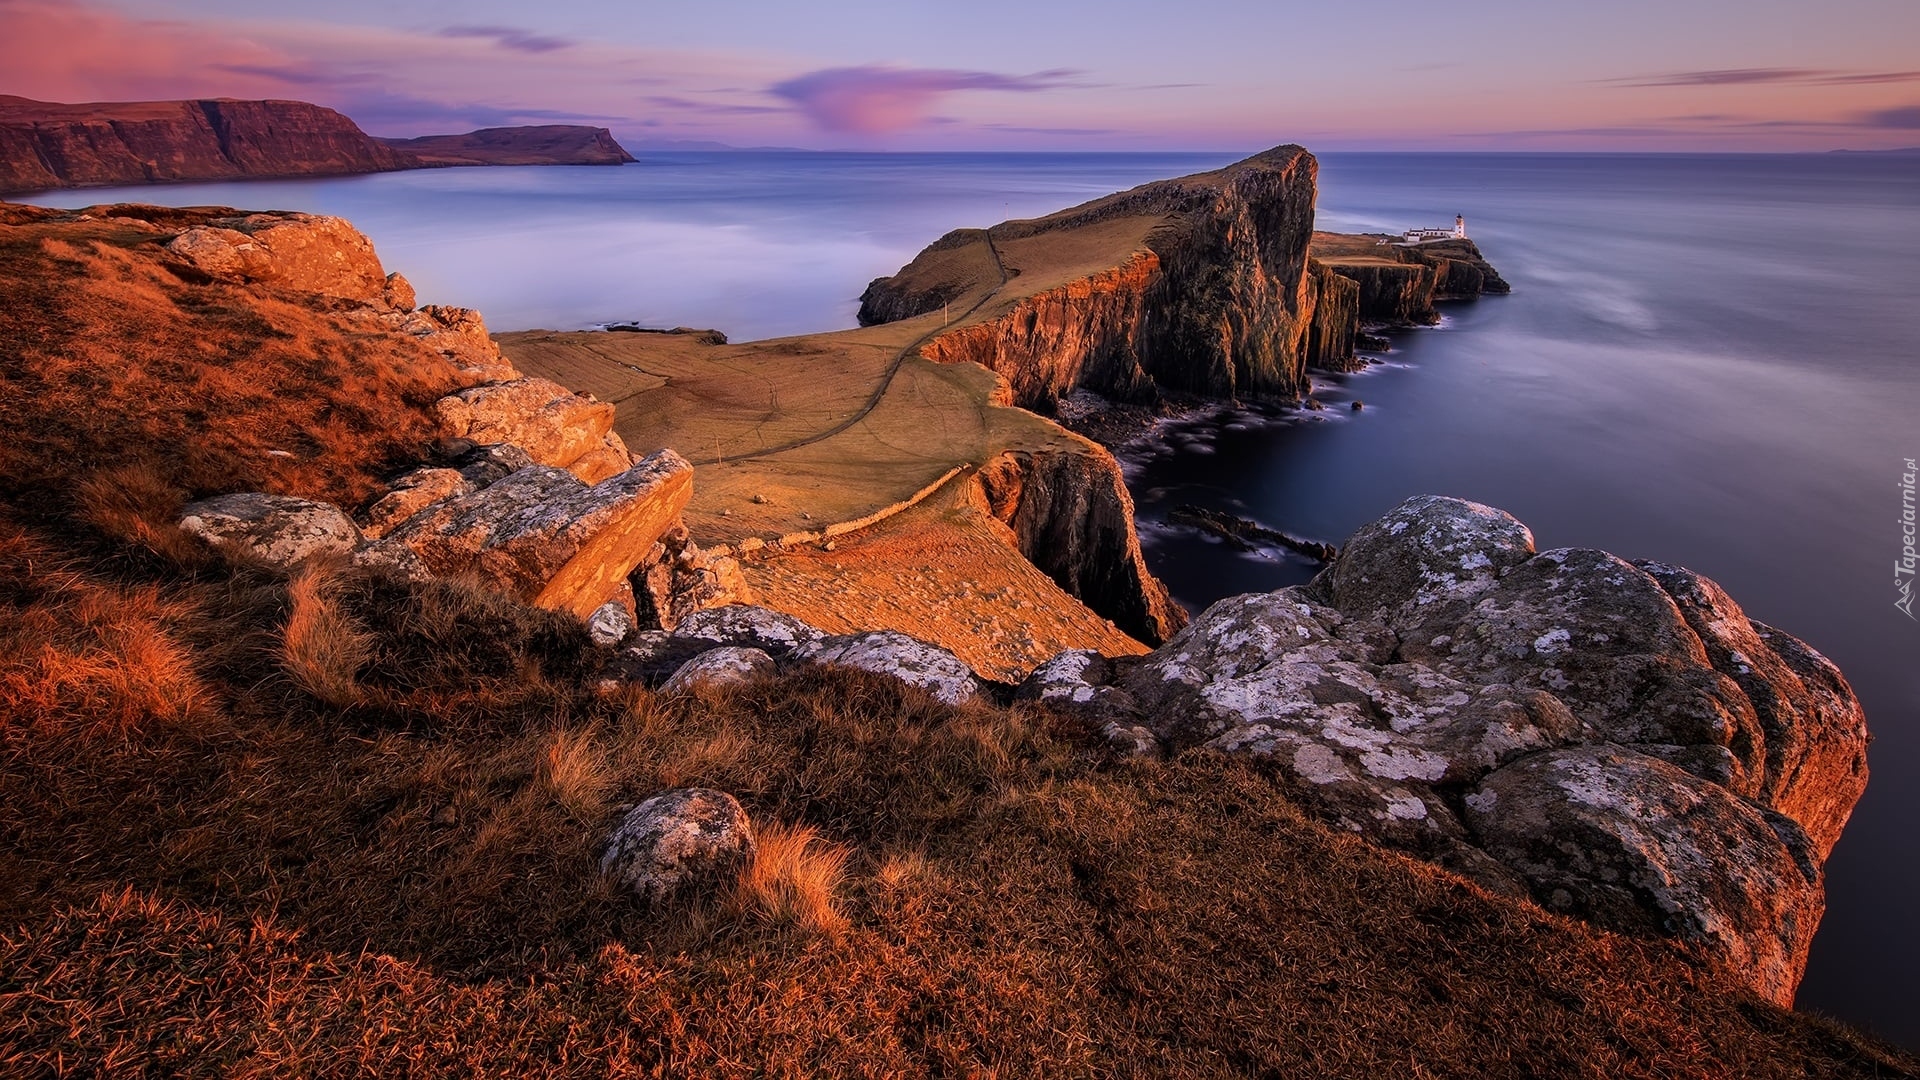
[47, 145]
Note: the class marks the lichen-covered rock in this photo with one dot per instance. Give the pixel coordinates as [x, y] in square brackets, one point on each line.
[1079, 682]
[1632, 842]
[1640, 752]
[610, 623]
[727, 664]
[679, 841]
[649, 658]
[398, 293]
[544, 536]
[410, 493]
[276, 529]
[774, 632]
[551, 423]
[912, 661]
[458, 335]
[306, 252]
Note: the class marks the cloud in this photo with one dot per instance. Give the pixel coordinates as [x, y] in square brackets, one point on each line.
[61, 51]
[1904, 118]
[1750, 76]
[668, 101]
[508, 37]
[875, 100]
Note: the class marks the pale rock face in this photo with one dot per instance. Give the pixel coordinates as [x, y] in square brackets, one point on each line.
[772, 631]
[610, 623]
[411, 493]
[678, 841]
[1630, 841]
[459, 335]
[551, 423]
[718, 667]
[305, 252]
[1617, 740]
[912, 661]
[276, 529]
[544, 536]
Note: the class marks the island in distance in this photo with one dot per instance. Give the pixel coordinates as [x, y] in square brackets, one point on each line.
[47, 145]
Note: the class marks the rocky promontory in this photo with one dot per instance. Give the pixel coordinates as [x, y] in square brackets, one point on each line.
[47, 145]
[1208, 285]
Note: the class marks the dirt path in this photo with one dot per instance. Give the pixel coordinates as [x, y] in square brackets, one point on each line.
[886, 378]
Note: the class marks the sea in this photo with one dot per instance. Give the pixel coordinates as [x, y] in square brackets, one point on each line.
[1711, 360]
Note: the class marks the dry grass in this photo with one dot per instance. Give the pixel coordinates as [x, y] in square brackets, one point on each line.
[322, 648]
[794, 879]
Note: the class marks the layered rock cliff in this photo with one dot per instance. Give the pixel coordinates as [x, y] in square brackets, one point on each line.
[1398, 284]
[1213, 291]
[539, 144]
[48, 145]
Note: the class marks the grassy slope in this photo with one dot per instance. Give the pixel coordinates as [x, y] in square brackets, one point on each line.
[339, 825]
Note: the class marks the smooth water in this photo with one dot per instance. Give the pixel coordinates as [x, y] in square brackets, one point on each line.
[1705, 360]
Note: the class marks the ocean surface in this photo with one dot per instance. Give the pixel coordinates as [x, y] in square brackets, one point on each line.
[1708, 360]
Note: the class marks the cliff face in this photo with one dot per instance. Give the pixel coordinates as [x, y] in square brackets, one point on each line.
[546, 144]
[45, 145]
[1073, 518]
[1398, 285]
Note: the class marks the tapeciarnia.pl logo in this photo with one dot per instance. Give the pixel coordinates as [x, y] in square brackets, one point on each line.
[1903, 567]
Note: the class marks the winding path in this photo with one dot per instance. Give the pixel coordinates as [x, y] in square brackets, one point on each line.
[886, 378]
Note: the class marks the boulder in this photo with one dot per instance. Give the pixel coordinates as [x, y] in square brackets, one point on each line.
[410, 493]
[912, 661]
[551, 423]
[650, 657]
[774, 632]
[546, 537]
[722, 666]
[305, 252]
[610, 623]
[398, 293]
[679, 841]
[1632, 842]
[1428, 551]
[276, 529]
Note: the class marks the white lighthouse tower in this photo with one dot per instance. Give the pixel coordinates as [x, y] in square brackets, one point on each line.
[1459, 227]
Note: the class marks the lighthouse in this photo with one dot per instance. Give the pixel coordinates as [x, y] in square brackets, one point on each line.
[1459, 226]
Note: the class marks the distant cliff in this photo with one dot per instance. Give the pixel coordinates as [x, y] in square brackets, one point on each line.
[48, 145]
[1399, 284]
[1204, 285]
[546, 144]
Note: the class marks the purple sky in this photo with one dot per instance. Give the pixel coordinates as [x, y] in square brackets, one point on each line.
[999, 74]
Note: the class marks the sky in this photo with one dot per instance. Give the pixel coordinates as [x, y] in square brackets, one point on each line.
[1632, 75]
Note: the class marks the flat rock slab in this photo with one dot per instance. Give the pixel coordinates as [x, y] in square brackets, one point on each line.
[543, 535]
[276, 529]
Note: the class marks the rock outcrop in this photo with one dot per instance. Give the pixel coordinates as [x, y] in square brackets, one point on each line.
[546, 536]
[539, 144]
[276, 529]
[1072, 517]
[1218, 298]
[679, 841]
[551, 423]
[1620, 741]
[302, 252]
[49, 145]
[1398, 284]
[889, 652]
[719, 667]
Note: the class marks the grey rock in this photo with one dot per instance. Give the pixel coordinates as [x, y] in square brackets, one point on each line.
[1634, 843]
[486, 463]
[410, 493]
[276, 529]
[679, 841]
[912, 661]
[1429, 550]
[610, 623]
[775, 632]
[722, 666]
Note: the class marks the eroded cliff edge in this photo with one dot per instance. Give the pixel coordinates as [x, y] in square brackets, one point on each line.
[1206, 285]
[46, 145]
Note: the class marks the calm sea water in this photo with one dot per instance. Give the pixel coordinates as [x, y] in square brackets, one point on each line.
[1705, 360]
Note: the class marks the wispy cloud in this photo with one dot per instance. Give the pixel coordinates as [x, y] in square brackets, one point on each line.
[1904, 118]
[508, 37]
[1751, 76]
[719, 108]
[875, 100]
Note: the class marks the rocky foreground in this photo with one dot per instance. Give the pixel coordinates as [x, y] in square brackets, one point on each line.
[374, 708]
[46, 145]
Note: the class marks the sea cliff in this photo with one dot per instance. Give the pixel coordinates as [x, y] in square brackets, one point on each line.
[47, 145]
[1207, 285]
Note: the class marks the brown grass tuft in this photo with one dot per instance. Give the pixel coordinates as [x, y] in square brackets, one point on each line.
[574, 771]
[322, 648]
[794, 879]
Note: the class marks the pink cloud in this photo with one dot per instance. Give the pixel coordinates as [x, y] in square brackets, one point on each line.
[876, 100]
[69, 52]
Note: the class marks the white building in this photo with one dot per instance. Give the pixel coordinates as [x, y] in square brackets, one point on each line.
[1421, 236]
